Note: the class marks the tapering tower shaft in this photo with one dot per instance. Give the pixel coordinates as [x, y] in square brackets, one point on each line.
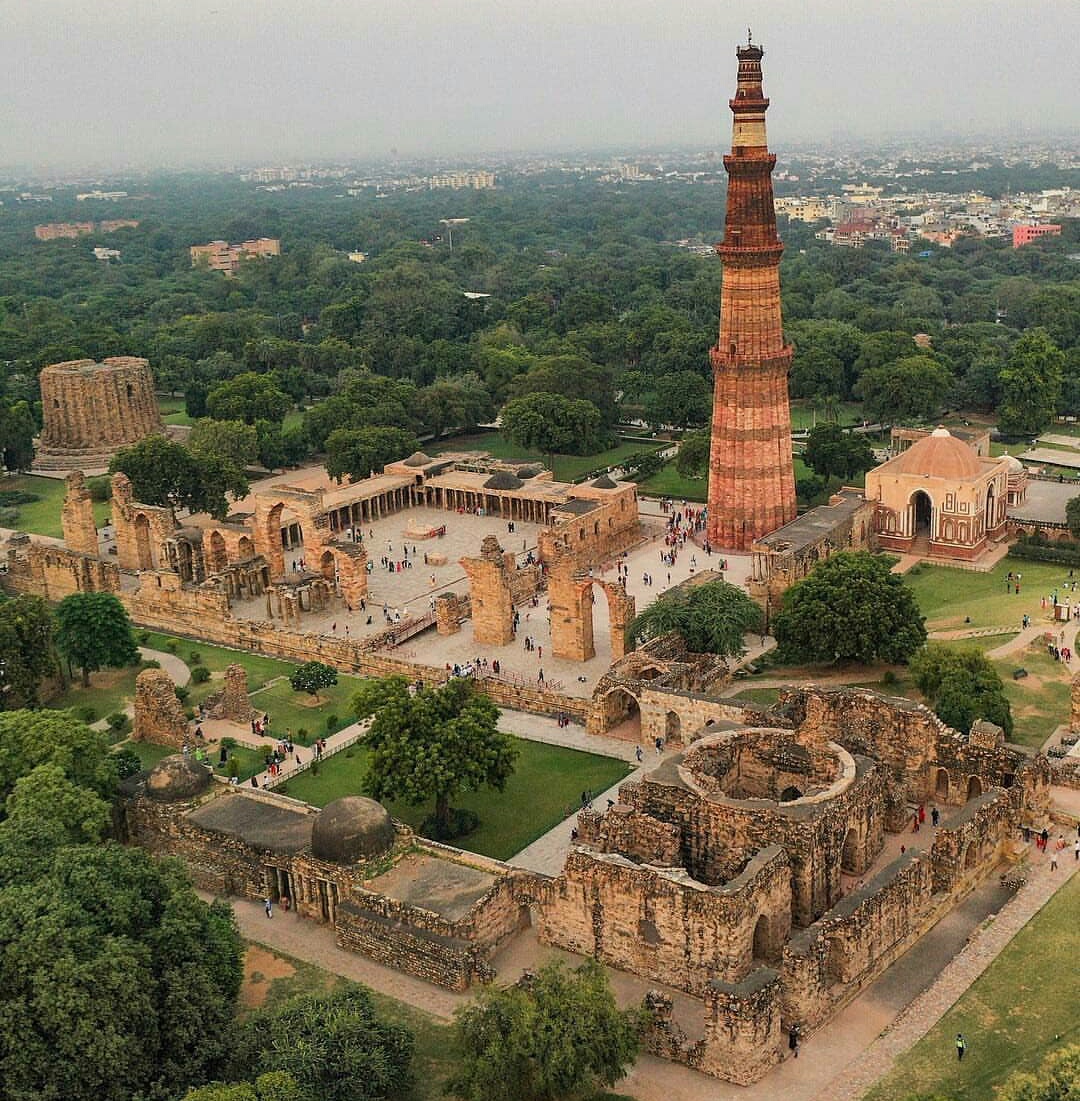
[751, 476]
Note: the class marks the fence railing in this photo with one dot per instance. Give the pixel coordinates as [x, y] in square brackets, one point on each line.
[332, 751]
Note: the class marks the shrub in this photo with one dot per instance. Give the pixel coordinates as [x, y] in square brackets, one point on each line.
[172, 645]
[99, 487]
[331, 723]
[200, 674]
[150, 663]
[9, 517]
[1066, 554]
[228, 743]
[86, 713]
[117, 721]
[889, 677]
[232, 767]
[144, 638]
[302, 735]
[194, 658]
[12, 498]
[181, 691]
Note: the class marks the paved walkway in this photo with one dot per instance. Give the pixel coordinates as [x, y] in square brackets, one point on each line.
[919, 1017]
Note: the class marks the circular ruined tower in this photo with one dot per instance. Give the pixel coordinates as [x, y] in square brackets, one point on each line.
[91, 410]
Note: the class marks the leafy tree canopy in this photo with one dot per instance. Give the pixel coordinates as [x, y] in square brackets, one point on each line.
[27, 655]
[850, 608]
[962, 686]
[692, 460]
[553, 424]
[17, 431]
[1058, 1079]
[433, 744]
[910, 389]
[712, 618]
[334, 1047]
[360, 452]
[313, 676]
[682, 400]
[1030, 385]
[558, 1034]
[169, 475]
[834, 453]
[93, 632]
[248, 397]
[274, 1086]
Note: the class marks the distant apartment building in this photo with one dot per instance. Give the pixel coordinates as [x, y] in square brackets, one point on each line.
[53, 231]
[106, 254]
[458, 181]
[804, 210]
[1024, 235]
[106, 196]
[221, 256]
[357, 257]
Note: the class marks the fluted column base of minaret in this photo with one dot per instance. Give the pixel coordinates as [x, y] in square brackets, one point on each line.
[751, 475]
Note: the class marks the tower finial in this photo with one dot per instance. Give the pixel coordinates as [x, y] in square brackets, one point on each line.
[749, 37]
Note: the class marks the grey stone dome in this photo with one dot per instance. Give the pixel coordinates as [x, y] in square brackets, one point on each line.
[418, 458]
[176, 779]
[503, 479]
[351, 829]
[604, 482]
[529, 470]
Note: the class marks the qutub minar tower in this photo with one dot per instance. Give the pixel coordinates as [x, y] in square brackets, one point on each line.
[751, 478]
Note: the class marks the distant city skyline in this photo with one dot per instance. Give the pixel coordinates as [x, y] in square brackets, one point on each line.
[222, 82]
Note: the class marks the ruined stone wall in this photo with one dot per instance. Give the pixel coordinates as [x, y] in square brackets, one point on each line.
[825, 965]
[232, 702]
[159, 715]
[636, 836]
[598, 535]
[77, 516]
[39, 569]
[661, 924]
[142, 531]
[679, 716]
[971, 839]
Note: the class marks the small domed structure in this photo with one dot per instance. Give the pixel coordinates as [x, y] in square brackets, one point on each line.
[529, 470]
[939, 455]
[351, 829]
[176, 779]
[603, 482]
[1014, 464]
[418, 458]
[503, 479]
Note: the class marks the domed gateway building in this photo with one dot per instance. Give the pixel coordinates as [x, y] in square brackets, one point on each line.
[939, 498]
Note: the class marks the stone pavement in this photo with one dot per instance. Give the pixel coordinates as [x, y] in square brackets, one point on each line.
[920, 1015]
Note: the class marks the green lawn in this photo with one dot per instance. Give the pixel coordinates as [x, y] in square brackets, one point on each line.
[546, 785]
[1020, 1009]
[566, 468]
[149, 753]
[947, 595]
[803, 415]
[109, 692]
[43, 517]
[668, 482]
[1040, 702]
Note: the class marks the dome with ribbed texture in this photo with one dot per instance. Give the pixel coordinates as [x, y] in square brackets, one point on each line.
[939, 455]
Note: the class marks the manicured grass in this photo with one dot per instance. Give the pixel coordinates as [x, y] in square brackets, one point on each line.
[764, 696]
[565, 467]
[109, 692]
[149, 753]
[668, 482]
[546, 786]
[1018, 1011]
[947, 595]
[1040, 701]
[803, 414]
[218, 658]
[43, 517]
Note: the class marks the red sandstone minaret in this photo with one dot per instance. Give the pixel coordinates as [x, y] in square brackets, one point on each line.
[751, 479]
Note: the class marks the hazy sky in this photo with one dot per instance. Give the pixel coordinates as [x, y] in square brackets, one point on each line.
[112, 82]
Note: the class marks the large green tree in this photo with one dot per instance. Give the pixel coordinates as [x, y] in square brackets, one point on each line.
[313, 676]
[249, 397]
[116, 980]
[1030, 384]
[692, 460]
[961, 686]
[17, 431]
[850, 608]
[712, 618]
[273, 1086]
[833, 452]
[93, 632]
[680, 400]
[910, 389]
[432, 744]
[335, 1047]
[27, 652]
[360, 452]
[167, 474]
[557, 1034]
[553, 424]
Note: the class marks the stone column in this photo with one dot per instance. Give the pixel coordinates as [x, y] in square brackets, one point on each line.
[77, 516]
[489, 589]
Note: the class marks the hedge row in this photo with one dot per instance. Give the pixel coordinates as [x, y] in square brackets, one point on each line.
[1068, 555]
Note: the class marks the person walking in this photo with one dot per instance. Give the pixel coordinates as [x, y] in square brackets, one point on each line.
[1053, 860]
[793, 1041]
[961, 1047]
[268, 906]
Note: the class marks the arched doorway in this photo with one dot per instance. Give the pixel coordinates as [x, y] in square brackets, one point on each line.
[971, 856]
[143, 548]
[974, 787]
[623, 714]
[941, 785]
[764, 949]
[219, 558]
[989, 522]
[849, 855]
[326, 566]
[245, 548]
[922, 514]
[790, 794]
[672, 728]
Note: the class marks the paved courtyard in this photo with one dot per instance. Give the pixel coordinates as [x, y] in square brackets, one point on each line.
[411, 591]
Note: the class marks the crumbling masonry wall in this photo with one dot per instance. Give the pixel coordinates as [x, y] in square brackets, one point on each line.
[159, 715]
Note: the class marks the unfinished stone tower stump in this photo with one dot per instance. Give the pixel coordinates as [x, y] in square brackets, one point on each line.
[91, 410]
[77, 516]
[489, 590]
[232, 701]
